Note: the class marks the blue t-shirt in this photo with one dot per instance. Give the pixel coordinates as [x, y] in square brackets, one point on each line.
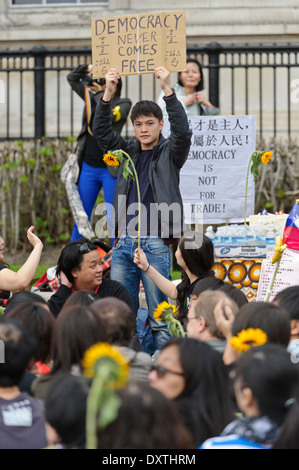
[150, 223]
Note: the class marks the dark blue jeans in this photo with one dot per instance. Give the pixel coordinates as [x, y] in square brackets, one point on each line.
[91, 180]
[124, 270]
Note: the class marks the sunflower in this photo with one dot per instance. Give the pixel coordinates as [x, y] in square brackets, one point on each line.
[266, 157]
[164, 309]
[248, 338]
[110, 159]
[105, 355]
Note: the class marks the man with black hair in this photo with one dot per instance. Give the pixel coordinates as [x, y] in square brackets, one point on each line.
[80, 269]
[158, 162]
[22, 422]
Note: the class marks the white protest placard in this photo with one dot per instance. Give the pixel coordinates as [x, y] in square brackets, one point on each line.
[213, 179]
[138, 44]
[287, 274]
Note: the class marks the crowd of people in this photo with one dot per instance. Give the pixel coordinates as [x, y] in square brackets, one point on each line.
[230, 379]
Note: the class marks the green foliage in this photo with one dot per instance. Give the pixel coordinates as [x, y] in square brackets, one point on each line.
[32, 192]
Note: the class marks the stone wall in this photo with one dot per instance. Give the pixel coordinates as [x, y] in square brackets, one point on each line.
[237, 21]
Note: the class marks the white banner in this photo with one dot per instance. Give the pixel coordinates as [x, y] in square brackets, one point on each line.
[213, 179]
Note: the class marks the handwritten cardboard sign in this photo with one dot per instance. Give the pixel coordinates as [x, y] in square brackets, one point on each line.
[213, 179]
[138, 44]
[287, 274]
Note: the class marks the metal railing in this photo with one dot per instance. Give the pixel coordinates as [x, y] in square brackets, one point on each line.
[37, 101]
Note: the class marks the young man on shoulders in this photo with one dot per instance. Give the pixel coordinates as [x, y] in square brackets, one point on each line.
[158, 162]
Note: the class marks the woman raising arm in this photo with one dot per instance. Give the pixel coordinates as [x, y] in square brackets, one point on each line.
[13, 281]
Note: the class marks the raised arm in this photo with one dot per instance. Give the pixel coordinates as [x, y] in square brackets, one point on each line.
[102, 128]
[180, 133]
[166, 286]
[14, 281]
[224, 318]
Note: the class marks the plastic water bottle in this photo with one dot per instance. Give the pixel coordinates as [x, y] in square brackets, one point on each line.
[217, 237]
[210, 233]
[250, 235]
[270, 237]
[226, 235]
[239, 236]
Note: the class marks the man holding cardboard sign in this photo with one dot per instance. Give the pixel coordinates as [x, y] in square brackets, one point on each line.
[158, 162]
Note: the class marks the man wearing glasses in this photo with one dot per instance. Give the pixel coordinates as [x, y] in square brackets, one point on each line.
[80, 269]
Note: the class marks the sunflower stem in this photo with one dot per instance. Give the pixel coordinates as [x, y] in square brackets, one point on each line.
[246, 190]
[138, 194]
[92, 412]
[272, 281]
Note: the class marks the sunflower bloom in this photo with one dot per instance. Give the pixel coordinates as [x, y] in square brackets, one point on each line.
[266, 157]
[163, 309]
[100, 352]
[248, 338]
[110, 159]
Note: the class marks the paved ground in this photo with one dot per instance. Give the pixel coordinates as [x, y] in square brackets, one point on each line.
[49, 256]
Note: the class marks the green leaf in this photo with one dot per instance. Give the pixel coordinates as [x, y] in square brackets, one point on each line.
[127, 171]
[56, 168]
[109, 409]
[64, 236]
[281, 192]
[24, 178]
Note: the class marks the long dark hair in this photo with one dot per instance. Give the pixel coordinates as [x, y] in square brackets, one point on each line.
[271, 376]
[200, 85]
[198, 254]
[205, 403]
[146, 419]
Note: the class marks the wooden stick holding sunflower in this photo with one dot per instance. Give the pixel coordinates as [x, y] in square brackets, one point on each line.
[115, 158]
[256, 159]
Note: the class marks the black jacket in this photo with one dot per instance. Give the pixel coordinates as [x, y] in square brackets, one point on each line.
[74, 79]
[169, 155]
[108, 288]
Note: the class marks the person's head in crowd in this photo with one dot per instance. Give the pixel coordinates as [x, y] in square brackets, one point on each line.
[194, 69]
[18, 347]
[234, 293]
[264, 380]
[289, 300]
[76, 329]
[270, 318]
[208, 283]
[118, 318]
[37, 319]
[288, 435]
[82, 265]
[65, 411]
[21, 297]
[193, 375]
[201, 320]
[146, 419]
[195, 255]
[80, 297]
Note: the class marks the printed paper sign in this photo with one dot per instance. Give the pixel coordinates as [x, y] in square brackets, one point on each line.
[287, 274]
[138, 44]
[213, 179]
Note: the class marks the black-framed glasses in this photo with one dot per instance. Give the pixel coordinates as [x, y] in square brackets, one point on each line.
[161, 371]
[87, 247]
